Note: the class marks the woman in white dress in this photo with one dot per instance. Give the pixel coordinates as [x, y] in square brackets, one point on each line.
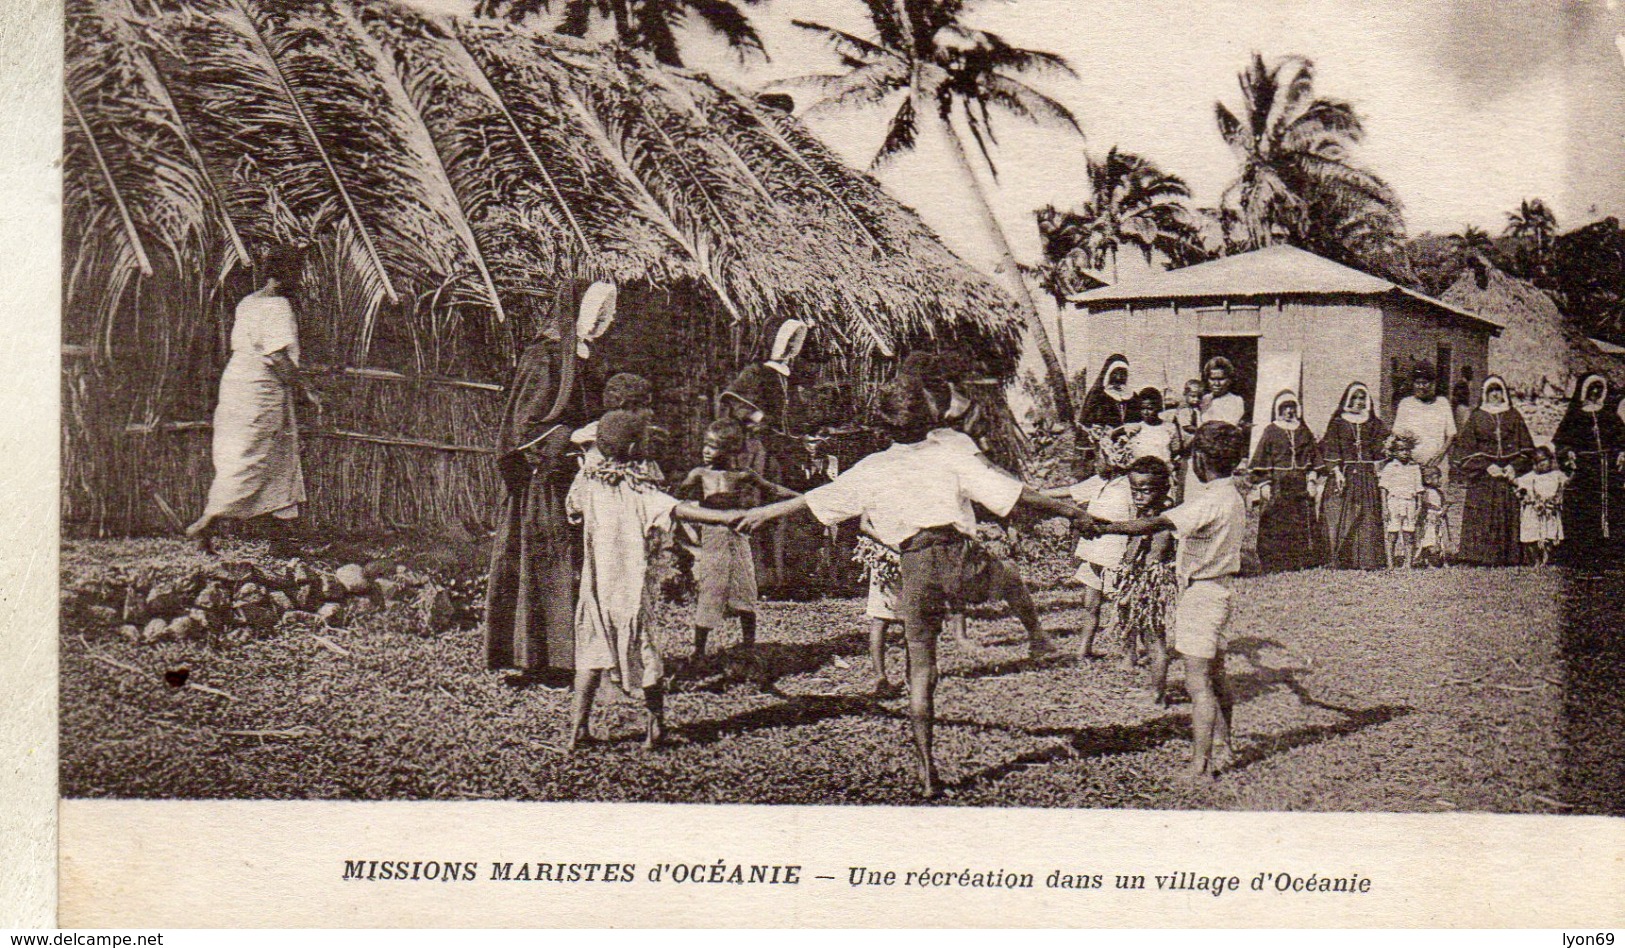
[256, 443]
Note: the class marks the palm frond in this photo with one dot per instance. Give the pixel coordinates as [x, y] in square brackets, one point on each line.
[725, 19]
[900, 134]
[1028, 103]
[437, 192]
[863, 87]
[853, 49]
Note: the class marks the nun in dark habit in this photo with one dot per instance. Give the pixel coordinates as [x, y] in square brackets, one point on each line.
[1111, 402]
[530, 595]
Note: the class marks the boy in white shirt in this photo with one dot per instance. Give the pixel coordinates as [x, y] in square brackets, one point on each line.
[1209, 526]
[918, 496]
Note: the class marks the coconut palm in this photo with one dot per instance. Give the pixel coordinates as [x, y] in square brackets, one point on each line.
[652, 25]
[1296, 183]
[1534, 227]
[1132, 203]
[923, 60]
[1471, 240]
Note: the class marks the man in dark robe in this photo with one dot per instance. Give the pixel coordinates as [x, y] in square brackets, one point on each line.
[530, 596]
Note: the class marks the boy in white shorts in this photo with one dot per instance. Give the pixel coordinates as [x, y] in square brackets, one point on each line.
[1209, 526]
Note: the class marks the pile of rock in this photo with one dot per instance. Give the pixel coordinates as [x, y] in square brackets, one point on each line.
[253, 598]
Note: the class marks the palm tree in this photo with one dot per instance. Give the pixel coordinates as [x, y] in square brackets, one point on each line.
[1471, 240]
[1533, 223]
[1296, 183]
[1132, 203]
[924, 61]
[651, 25]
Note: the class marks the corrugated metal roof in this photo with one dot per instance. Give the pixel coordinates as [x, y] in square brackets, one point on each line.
[1273, 271]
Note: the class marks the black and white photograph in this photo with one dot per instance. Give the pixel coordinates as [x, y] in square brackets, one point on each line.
[1064, 404]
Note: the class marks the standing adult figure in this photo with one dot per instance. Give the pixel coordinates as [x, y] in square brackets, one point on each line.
[1288, 535]
[1221, 403]
[1430, 418]
[1590, 440]
[1110, 402]
[1351, 451]
[257, 470]
[530, 595]
[1494, 448]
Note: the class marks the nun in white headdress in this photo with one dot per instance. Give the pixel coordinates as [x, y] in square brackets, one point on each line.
[1288, 535]
[530, 596]
[1111, 402]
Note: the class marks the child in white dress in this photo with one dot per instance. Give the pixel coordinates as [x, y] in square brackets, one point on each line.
[619, 507]
[1540, 526]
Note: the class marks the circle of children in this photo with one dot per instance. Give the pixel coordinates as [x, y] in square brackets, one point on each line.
[1162, 520]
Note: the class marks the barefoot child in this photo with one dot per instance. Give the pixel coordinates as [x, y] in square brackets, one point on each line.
[1106, 496]
[619, 506]
[1540, 526]
[1400, 481]
[724, 573]
[1433, 535]
[881, 563]
[957, 417]
[918, 495]
[1209, 526]
[1147, 586]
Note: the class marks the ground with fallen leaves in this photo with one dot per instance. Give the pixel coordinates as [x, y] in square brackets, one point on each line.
[1455, 689]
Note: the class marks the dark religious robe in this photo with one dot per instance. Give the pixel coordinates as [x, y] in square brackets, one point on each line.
[1592, 501]
[1353, 514]
[1489, 519]
[1288, 534]
[530, 595]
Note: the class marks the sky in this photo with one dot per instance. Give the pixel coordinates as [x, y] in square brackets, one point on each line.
[1469, 105]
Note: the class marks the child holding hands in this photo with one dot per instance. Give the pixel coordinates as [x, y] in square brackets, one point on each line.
[724, 571]
[1209, 526]
[918, 495]
[619, 506]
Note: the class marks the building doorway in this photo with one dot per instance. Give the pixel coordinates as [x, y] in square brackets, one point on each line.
[1242, 351]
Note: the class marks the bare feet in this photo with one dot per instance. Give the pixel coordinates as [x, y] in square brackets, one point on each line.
[881, 688]
[578, 736]
[930, 787]
[1199, 775]
[655, 735]
[1042, 647]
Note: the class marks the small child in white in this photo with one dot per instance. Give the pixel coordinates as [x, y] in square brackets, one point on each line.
[1433, 537]
[1400, 481]
[1106, 496]
[1540, 526]
[619, 506]
[1209, 526]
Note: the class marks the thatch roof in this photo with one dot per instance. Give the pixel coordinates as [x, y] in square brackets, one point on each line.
[461, 169]
[1540, 351]
[1281, 270]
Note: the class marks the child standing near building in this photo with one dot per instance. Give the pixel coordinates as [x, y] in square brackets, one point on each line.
[1400, 481]
[619, 506]
[1209, 526]
[1541, 517]
[1147, 586]
[918, 495]
[1151, 436]
[724, 573]
[1433, 536]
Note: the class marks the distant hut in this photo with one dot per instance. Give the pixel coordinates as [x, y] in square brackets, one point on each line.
[1286, 318]
[456, 181]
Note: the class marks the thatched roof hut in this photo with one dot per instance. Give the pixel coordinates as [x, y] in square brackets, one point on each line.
[1540, 352]
[457, 181]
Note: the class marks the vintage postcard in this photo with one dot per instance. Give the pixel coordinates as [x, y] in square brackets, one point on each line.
[829, 463]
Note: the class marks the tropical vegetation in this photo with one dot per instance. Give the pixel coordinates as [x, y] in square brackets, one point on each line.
[655, 26]
[1133, 205]
[1296, 181]
[924, 60]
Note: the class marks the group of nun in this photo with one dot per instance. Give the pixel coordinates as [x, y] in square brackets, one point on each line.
[1324, 507]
